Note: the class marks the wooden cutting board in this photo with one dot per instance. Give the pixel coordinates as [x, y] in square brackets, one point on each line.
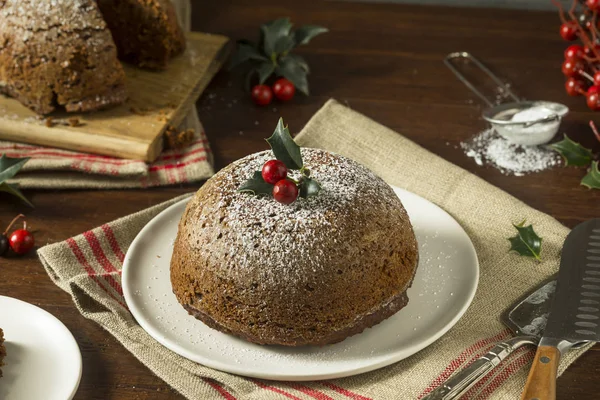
[134, 129]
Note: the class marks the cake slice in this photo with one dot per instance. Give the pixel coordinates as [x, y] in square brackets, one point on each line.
[2, 351]
[146, 32]
[58, 53]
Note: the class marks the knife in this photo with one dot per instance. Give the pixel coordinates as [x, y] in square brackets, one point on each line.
[575, 311]
[526, 318]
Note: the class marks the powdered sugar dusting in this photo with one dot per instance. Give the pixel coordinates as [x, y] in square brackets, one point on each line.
[489, 148]
[259, 228]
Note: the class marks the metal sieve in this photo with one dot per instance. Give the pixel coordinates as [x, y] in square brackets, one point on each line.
[532, 132]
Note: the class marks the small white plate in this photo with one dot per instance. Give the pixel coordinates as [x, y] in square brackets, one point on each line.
[43, 360]
[442, 290]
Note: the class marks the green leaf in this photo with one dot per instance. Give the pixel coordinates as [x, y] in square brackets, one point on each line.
[272, 32]
[284, 44]
[592, 179]
[245, 52]
[527, 243]
[256, 185]
[10, 166]
[298, 60]
[264, 71]
[309, 187]
[294, 73]
[12, 189]
[305, 33]
[572, 152]
[284, 147]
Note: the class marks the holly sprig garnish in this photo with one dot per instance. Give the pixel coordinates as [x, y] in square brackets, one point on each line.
[575, 154]
[273, 179]
[526, 242]
[9, 168]
[272, 54]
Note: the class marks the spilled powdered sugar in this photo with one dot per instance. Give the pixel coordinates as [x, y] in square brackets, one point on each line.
[489, 148]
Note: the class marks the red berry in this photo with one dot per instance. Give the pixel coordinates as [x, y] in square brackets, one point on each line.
[574, 87]
[593, 100]
[283, 89]
[597, 78]
[592, 89]
[588, 52]
[262, 95]
[572, 67]
[21, 241]
[568, 31]
[593, 4]
[573, 52]
[273, 171]
[285, 191]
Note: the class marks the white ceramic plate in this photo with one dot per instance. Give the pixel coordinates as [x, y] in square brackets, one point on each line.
[43, 360]
[443, 288]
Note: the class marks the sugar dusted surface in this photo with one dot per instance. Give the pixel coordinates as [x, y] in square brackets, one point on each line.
[257, 223]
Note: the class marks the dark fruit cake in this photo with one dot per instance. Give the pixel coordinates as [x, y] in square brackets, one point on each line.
[2, 351]
[58, 53]
[310, 273]
[146, 31]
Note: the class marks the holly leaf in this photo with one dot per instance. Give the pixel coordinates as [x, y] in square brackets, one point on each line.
[294, 72]
[10, 166]
[305, 33]
[12, 189]
[298, 60]
[572, 152]
[272, 32]
[264, 71]
[256, 185]
[284, 44]
[526, 243]
[245, 52]
[592, 179]
[284, 147]
[309, 187]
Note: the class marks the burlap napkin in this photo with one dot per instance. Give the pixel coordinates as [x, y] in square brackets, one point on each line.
[50, 168]
[88, 267]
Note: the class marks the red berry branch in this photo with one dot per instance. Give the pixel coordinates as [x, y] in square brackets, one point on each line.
[582, 62]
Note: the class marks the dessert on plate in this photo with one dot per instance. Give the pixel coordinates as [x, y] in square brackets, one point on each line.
[2, 351]
[64, 53]
[326, 265]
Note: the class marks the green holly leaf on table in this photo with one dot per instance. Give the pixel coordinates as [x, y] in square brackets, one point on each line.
[272, 54]
[573, 153]
[592, 179]
[9, 168]
[284, 147]
[256, 185]
[526, 243]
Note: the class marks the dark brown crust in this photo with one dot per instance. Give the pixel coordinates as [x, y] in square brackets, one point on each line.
[396, 304]
[146, 32]
[58, 54]
[2, 351]
[310, 273]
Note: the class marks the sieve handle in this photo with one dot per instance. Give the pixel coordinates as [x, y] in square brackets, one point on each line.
[466, 55]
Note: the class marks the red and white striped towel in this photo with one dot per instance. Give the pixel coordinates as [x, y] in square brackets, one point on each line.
[64, 169]
[88, 266]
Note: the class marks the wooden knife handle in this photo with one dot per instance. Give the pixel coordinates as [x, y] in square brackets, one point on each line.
[541, 382]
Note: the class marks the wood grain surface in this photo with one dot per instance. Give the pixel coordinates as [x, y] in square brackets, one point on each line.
[135, 128]
[383, 60]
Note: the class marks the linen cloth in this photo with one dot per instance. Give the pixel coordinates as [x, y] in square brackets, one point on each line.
[51, 168]
[88, 267]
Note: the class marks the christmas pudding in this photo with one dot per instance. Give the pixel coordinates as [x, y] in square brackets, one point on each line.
[307, 249]
[2, 351]
[61, 53]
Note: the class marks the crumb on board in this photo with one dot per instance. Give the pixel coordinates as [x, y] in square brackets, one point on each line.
[49, 122]
[178, 139]
[74, 122]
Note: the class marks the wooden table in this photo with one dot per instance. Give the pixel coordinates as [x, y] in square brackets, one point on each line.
[380, 59]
